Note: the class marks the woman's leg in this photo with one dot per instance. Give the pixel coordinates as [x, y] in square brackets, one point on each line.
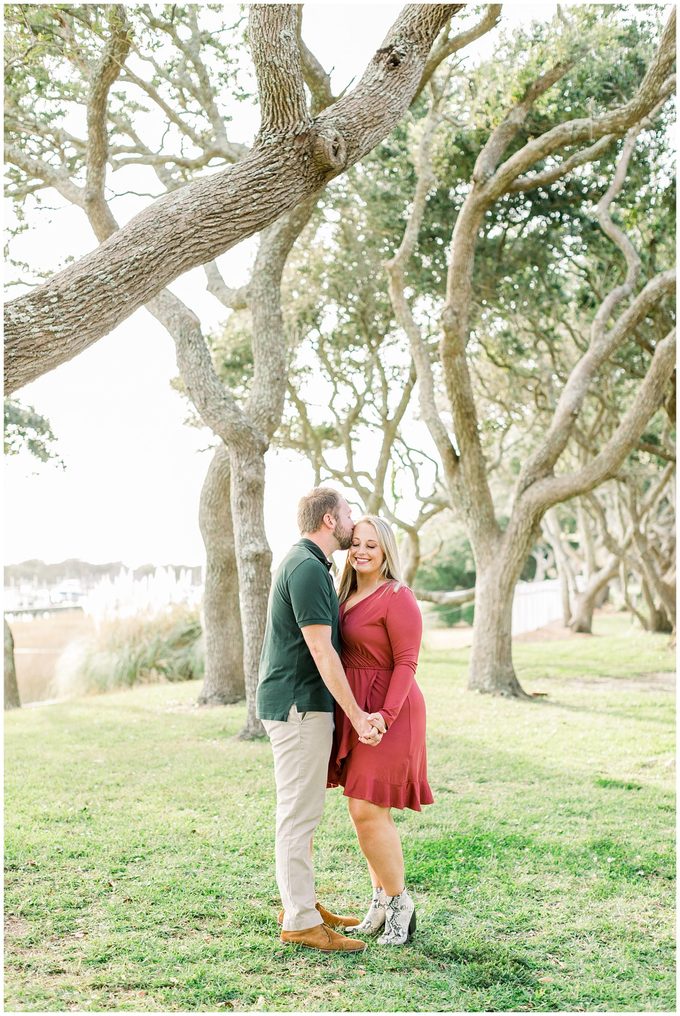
[380, 844]
[375, 881]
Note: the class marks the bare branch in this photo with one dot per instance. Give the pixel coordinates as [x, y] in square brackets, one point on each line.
[396, 271]
[39, 170]
[606, 464]
[500, 138]
[548, 176]
[317, 80]
[456, 597]
[268, 390]
[447, 45]
[663, 453]
[590, 129]
[103, 76]
[577, 387]
[233, 299]
[590, 154]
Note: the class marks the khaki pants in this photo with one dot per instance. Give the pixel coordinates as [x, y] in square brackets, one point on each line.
[302, 748]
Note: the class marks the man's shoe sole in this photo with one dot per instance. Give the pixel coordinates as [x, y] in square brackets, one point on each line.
[303, 945]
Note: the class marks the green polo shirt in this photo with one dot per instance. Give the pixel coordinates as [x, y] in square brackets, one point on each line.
[302, 593]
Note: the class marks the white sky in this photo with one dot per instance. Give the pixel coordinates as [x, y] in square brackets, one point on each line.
[134, 471]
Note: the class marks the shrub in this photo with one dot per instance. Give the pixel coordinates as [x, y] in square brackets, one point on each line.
[134, 650]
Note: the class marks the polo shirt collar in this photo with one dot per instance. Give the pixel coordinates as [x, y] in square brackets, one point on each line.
[316, 551]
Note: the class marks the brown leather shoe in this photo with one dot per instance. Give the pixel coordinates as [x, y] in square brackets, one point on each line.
[332, 920]
[323, 938]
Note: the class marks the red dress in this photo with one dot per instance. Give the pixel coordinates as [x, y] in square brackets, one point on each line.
[380, 643]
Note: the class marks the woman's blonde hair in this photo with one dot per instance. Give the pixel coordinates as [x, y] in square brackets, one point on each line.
[390, 568]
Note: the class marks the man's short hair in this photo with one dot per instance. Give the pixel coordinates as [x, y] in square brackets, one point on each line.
[314, 506]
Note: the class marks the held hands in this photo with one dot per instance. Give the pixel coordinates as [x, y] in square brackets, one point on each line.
[371, 728]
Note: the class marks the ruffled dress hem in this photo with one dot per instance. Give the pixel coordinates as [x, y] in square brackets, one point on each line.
[387, 795]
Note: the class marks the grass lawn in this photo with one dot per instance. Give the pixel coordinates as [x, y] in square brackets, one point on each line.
[139, 850]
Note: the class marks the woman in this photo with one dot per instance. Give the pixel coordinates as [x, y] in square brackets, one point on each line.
[381, 629]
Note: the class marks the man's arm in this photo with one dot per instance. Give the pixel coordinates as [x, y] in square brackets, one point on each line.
[318, 639]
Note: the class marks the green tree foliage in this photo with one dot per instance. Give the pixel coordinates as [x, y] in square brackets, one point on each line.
[27, 429]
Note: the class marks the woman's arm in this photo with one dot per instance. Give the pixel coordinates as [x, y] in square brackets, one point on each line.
[404, 625]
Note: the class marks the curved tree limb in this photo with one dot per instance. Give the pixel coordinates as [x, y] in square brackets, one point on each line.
[317, 80]
[549, 491]
[456, 597]
[590, 129]
[447, 45]
[79, 305]
[103, 77]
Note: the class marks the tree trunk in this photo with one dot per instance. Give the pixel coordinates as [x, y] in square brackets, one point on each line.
[254, 560]
[662, 594]
[658, 621]
[12, 700]
[412, 561]
[629, 603]
[582, 616]
[224, 680]
[586, 601]
[553, 533]
[491, 667]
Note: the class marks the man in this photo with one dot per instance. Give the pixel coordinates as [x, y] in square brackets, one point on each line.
[300, 677]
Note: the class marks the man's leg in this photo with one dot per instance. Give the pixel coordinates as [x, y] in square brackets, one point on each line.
[301, 747]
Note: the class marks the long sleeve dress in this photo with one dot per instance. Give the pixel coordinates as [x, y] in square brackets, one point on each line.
[380, 642]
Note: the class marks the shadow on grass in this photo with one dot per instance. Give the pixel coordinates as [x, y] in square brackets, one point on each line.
[436, 864]
[479, 964]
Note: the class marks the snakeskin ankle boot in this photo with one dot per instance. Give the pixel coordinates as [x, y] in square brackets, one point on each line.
[375, 918]
[400, 920]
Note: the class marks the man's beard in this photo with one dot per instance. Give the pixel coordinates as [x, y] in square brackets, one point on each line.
[343, 536]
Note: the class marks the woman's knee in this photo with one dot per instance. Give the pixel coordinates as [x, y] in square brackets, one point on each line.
[364, 813]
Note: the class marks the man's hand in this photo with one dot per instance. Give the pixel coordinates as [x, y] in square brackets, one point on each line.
[376, 727]
[367, 727]
[378, 720]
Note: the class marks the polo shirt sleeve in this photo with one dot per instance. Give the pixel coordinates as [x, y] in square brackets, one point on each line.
[311, 595]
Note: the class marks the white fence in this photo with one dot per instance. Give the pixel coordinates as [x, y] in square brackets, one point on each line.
[537, 604]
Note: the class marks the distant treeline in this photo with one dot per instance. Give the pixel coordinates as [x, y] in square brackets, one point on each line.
[52, 574]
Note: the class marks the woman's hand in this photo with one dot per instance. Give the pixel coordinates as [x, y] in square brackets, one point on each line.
[378, 728]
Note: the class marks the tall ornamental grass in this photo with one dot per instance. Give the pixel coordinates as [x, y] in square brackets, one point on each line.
[125, 651]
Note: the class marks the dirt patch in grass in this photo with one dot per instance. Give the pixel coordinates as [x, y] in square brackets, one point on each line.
[659, 681]
[553, 632]
[16, 927]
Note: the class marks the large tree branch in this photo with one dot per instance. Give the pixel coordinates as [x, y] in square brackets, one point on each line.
[590, 154]
[456, 597]
[396, 272]
[270, 355]
[317, 80]
[580, 379]
[276, 54]
[103, 76]
[549, 491]
[590, 129]
[215, 404]
[201, 220]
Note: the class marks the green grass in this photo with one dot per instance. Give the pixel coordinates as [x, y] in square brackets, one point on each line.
[139, 850]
